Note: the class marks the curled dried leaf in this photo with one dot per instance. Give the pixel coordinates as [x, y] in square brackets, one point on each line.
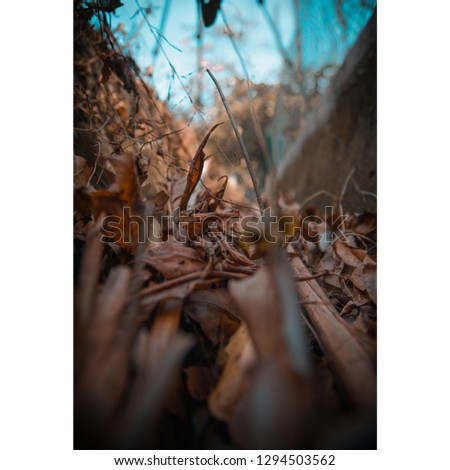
[219, 194]
[195, 170]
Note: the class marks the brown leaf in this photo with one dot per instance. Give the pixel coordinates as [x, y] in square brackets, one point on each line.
[127, 182]
[160, 356]
[259, 307]
[114, 295]
[330, 262]
[160, 199]
[358, 277]
[219, 194]
[364, 277]
[350, 355]
[82, 171]
[370, 280]
[238, 359]
[365, 324]
[101, 360]
[89, 275]
[169, 312]
[363, 224]
[333, 280]
[268, 302]
[213, 310]
[122, 111]
[166, 290]
[173, 259]
[350, 256]
[120, 205]
[106, 72]
[195, 170]
[200, 381]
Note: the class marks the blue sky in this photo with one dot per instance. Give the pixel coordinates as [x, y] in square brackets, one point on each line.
[323, 40]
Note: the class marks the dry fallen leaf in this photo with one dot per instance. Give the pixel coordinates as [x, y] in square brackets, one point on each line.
[351, 256]
[238, 359]
[259, 307]
[195, 170]
[364, 224]
[160, 353]
[271, 310]
[364, 277]
[200, 381]
[351, 356]
[219, 194]
[214, 311]
[117, 206]
[173, 259]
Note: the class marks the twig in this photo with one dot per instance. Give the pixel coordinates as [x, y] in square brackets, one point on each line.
[317, 194]
[200, 276]
[172, 67]
[344, 189]
[95, 167]
[309, 278]
[235, 204]
[93, 130]
[199, 53]
[167, 134]
[161, 28]
[277, 37]
[362, 191]
[241, 142]
[359, 235]
[297, 40]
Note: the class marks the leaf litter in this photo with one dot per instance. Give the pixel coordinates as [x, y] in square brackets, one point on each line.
[188, 338]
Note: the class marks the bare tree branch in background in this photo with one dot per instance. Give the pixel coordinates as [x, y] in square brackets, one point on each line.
[279, 43]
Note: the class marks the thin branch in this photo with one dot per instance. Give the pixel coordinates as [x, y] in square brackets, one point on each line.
[309, 278]
[235, 204]
[241, 142]
[362, 191]
[277, 37]
[167, 134]
[162, 25]
[95, 167]
[344, 189]
[297, 38]
[198, 275]
[93, 130]
[317, 194]
[172, 67]
[199, 53]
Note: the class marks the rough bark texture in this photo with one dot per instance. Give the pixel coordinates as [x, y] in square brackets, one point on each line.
[341, 134]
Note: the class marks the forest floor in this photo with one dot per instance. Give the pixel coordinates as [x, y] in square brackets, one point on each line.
[198, 323]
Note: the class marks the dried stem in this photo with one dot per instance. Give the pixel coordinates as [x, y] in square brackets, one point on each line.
[344, 189]
[241, 142]
[313, 276]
